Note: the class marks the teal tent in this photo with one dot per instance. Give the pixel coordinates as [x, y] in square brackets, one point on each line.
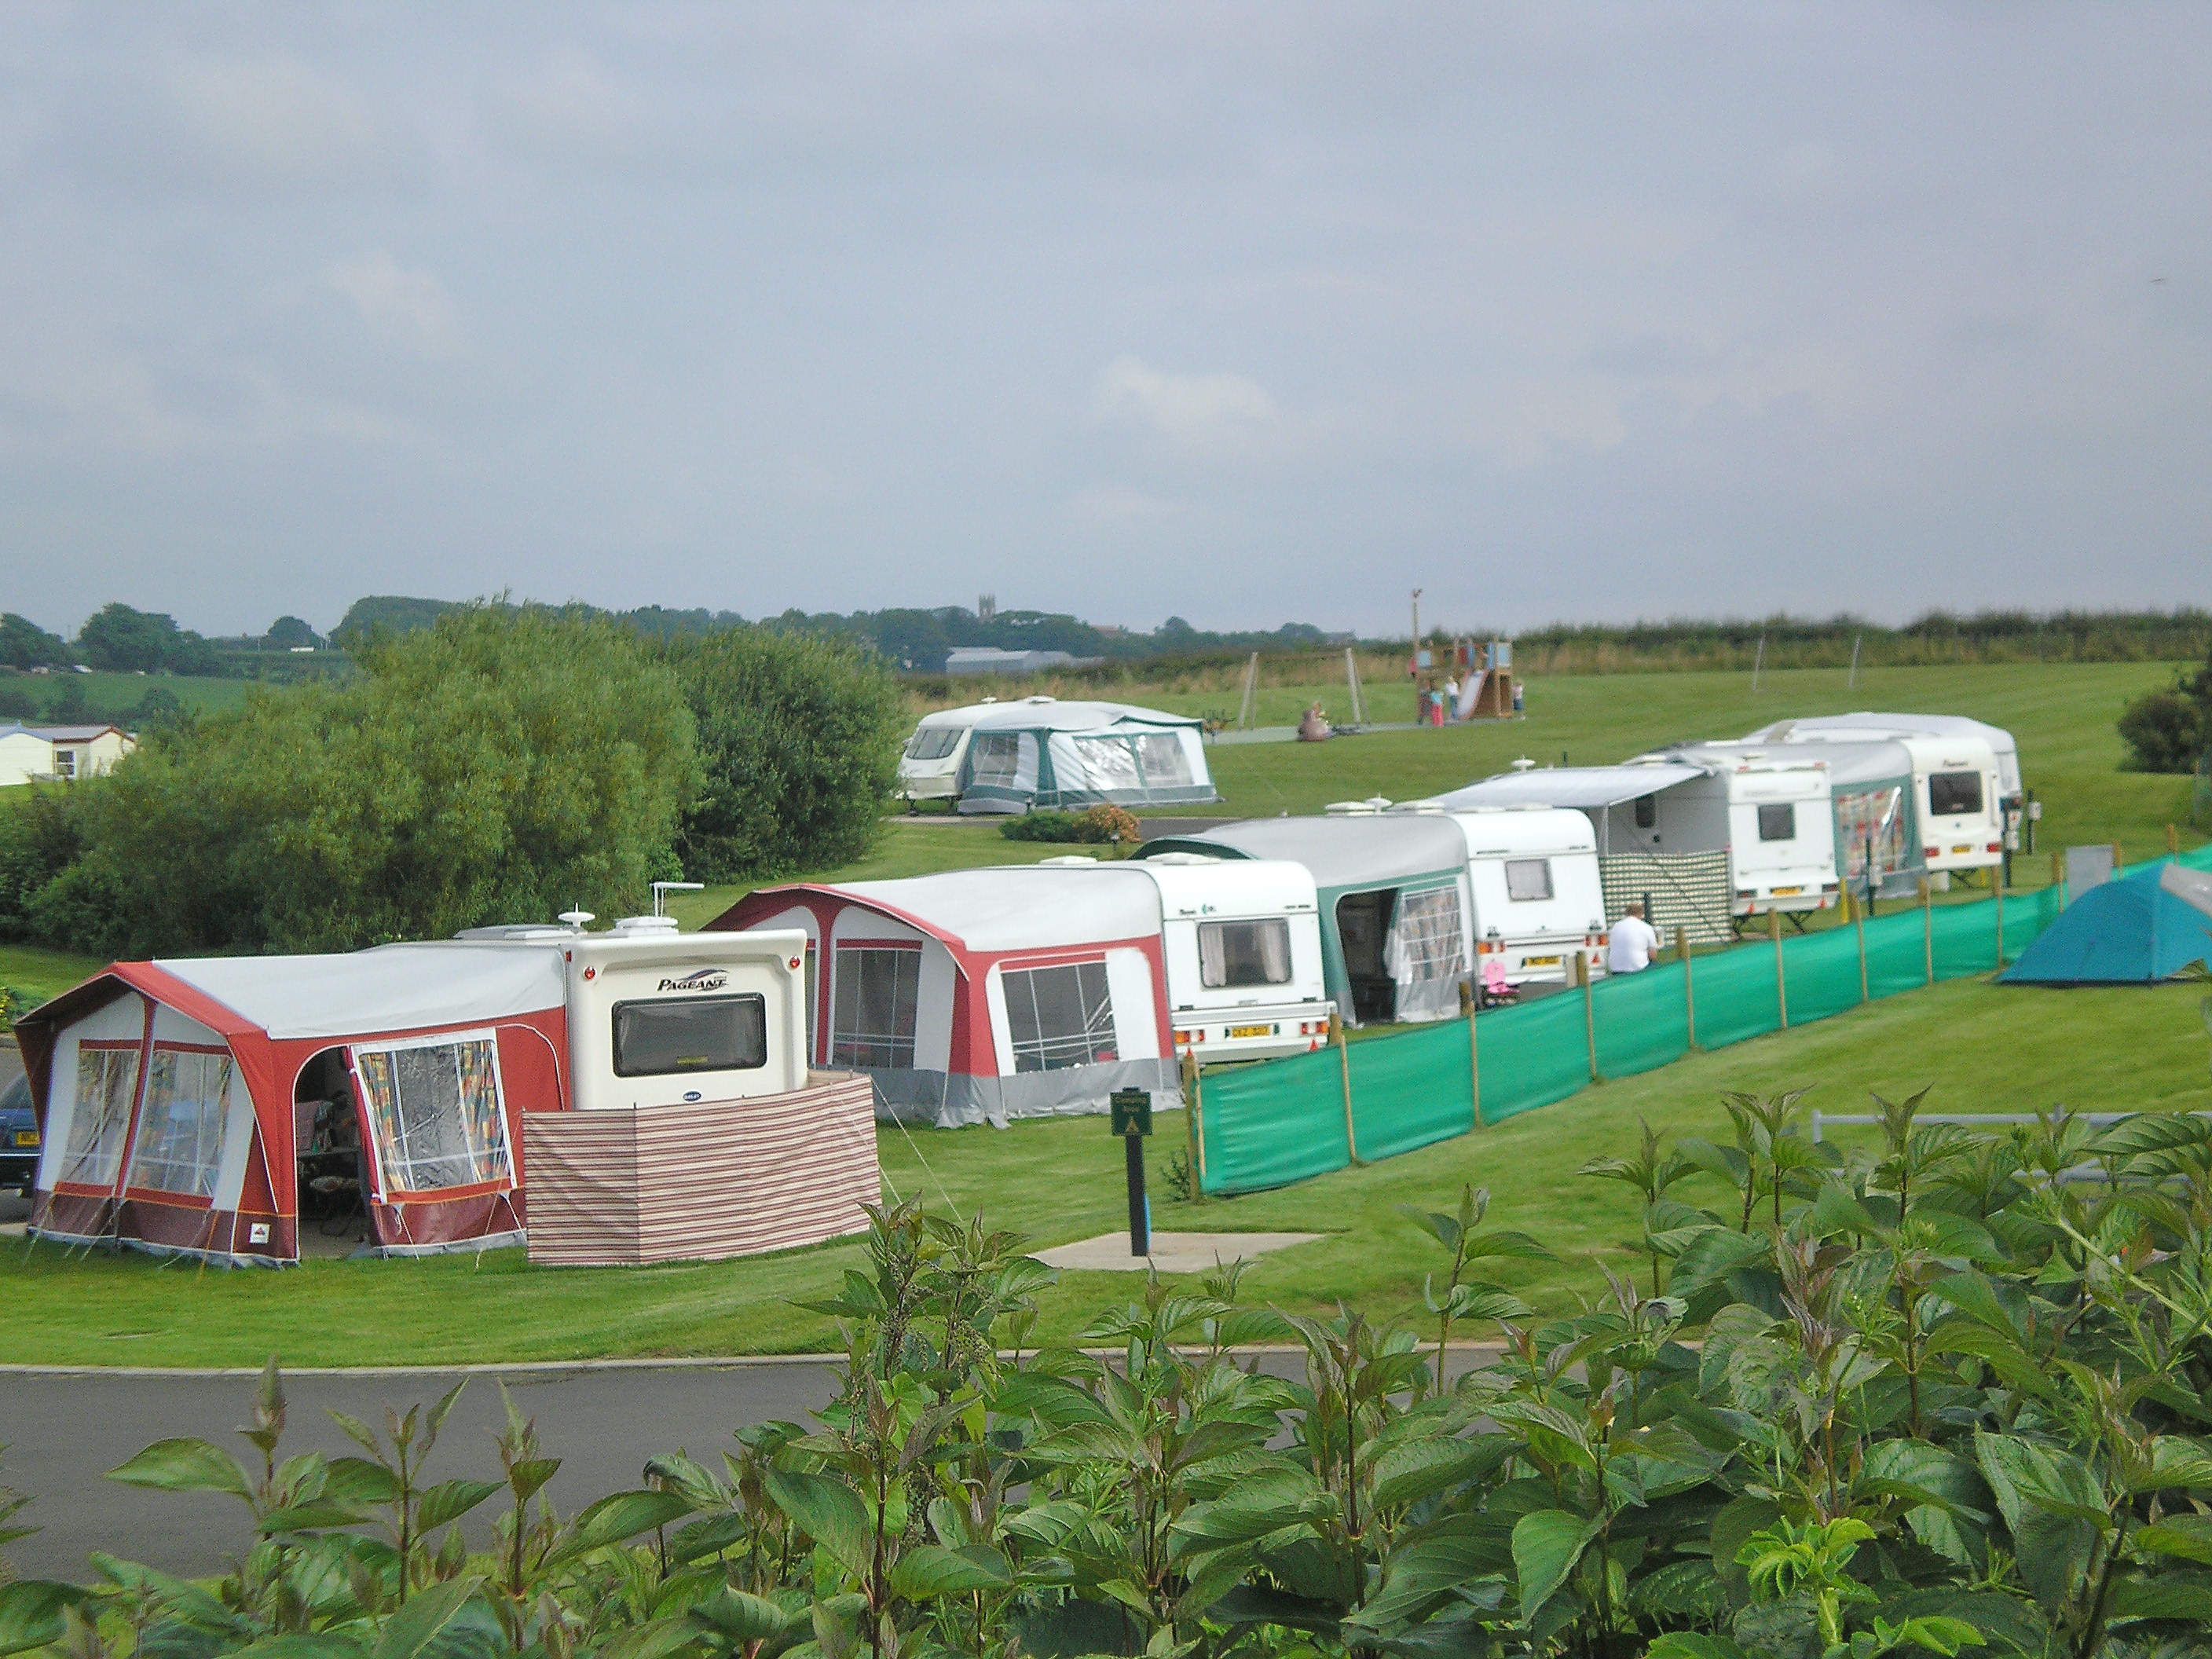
[2134, 931]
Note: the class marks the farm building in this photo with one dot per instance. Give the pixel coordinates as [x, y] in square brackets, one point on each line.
[218, 1106]
[1396, 929]
[1041, 752]
[978, 996]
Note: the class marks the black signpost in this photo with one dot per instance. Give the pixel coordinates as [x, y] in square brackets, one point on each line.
[1133, 1121]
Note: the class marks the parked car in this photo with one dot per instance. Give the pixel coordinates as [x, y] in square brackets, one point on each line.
[18, 1138]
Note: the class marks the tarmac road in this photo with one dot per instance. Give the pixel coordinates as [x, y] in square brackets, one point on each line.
[63, 1432]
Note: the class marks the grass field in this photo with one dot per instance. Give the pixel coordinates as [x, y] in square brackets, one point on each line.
[1983, 1048]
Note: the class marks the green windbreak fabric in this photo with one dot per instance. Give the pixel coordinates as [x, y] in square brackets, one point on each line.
[1271, 1124]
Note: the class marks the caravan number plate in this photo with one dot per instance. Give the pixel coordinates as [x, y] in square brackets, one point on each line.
[27, 1137]
[1788, 892]
[1956, 851]
[1251, 1030]
[1539, 962]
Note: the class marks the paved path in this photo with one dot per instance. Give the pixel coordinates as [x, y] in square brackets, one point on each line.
[64, 1432]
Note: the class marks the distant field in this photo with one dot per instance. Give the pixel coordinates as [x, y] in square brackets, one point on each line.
[110, 695]
[1983, 1048]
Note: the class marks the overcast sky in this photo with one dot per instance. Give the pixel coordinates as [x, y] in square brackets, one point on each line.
[1246, 313]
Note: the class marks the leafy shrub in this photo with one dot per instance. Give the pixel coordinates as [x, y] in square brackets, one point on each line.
[798, 745]
[2170, 730]
[497, 767]
[1099, 826]
[1919, 1398]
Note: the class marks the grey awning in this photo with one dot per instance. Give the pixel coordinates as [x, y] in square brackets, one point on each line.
[1588, 787]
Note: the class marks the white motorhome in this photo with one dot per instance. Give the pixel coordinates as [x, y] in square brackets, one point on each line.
[1242, 944]
[1538, 898]
[1964, 774]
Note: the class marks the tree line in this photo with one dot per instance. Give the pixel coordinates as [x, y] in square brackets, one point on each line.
[504, 764]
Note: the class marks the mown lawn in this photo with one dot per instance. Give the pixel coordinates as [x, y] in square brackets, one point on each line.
[1983, 1048]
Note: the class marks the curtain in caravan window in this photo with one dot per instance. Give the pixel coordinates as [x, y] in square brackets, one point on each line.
[1060, 1017]
[1107, 764]
[106, 1079]
[435, 1112]
[1166, 763]
[1238, 953]
[180, 1127]
[874, 1000]
[1424, 938]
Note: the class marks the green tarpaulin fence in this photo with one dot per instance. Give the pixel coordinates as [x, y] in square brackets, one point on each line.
[1284, 1120]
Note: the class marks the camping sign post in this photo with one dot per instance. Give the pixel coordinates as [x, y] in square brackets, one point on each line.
[1133, 1121]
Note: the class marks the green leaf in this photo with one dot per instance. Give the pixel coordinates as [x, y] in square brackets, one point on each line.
[1935, 1632]
[656, 1638]
[2187, 1536]
[1545, 1547]
[530, 1474]
[2160, 1598]
[622, 1516]
[450, 1500]
[827, 1511]
[412, 1631]
[1688, 1645]
[1413, 1469]
[928, 1570]
[185, 1465]
[737, 1617]
[321, 1515]
[31, 1612]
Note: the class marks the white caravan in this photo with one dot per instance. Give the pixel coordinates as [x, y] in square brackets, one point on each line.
[1538, 898]
[1243, 942]
[1041, 752]
[1964, 774]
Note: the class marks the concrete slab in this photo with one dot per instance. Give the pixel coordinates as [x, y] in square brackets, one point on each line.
[1172, 1253]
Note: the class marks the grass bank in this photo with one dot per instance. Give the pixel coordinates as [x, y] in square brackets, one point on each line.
[1983, 1048]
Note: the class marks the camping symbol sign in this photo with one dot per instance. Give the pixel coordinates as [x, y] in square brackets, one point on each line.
[1133, 1111]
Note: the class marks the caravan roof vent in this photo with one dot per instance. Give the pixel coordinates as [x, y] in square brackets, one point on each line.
[1180, 858]
[1358, 808]
[1524, 764]
[1040, 699]
[1065, 861]
[633, 926]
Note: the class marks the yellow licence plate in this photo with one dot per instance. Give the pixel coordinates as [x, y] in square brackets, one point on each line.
[1539, 962]
[27, 1137]
[1788, 892]
[1251, 1030]
[1955, 851]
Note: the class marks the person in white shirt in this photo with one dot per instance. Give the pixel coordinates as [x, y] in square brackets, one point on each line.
[1635, 941]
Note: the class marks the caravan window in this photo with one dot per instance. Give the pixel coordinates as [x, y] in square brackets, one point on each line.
[1527, 879]
[435, 1112]
[874, 998]
[1427, 933]
[1954, 794]
[1060, 1017]
[105, 1081]
[1235, 953]
[1778, 821]
[670, 1035]
[994, 757]
[1165, 761]
[181, 1129]
[933, 742]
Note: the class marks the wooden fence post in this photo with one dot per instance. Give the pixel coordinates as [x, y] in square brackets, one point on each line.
[1928, 926]
[2172, 841]
[1689, 991]
[1467, 1001]
[1781, 979]
[1194, 1123]
[1344, 1070]
[1589, 1010]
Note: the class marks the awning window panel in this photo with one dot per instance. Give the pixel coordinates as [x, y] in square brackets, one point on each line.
[1425, 940]
[1060, 1017]
[99, 1121]
[1108, 764]
[1234, 954]
[1165, 761]
[1872, 821]
[436, 1114]
[874, 1004]
[994, 757]
[179, 1144]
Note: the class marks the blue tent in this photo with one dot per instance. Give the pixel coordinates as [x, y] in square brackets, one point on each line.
[2135, 931]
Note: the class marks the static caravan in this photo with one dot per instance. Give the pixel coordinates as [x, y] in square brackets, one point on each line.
[1964, 776]
[1708, 842]
[977, 996]
[1396, 932]
[1244, 945]
[1041, 752]
[217, 1106]
[1539, 902]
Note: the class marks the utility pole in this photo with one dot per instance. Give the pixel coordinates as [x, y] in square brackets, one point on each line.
[1413, 662]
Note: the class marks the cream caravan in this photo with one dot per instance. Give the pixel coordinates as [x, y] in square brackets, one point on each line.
[1243, 942]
